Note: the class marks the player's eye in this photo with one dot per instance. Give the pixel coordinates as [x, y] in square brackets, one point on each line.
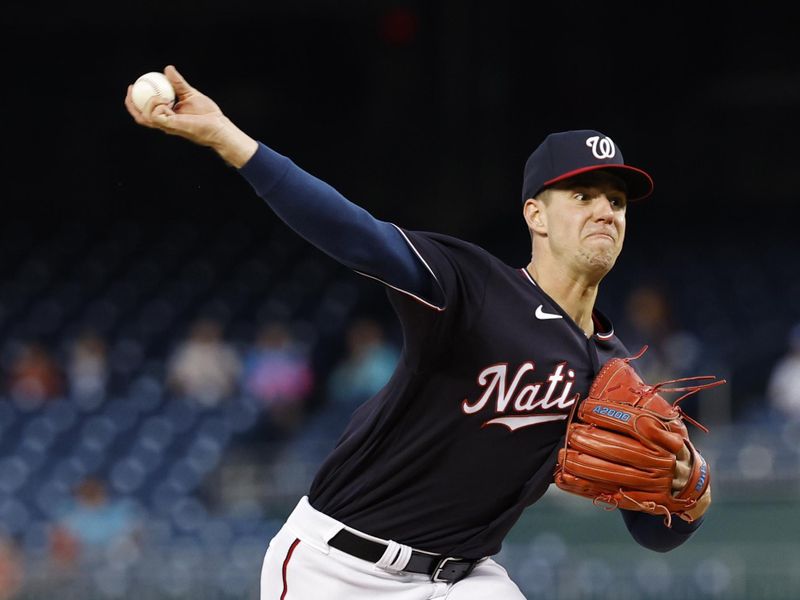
[580, 196]
[618, 201]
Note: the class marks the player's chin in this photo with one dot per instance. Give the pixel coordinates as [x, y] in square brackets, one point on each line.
[600, 260]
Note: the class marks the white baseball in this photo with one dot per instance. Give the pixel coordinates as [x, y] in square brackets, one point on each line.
[149, 85]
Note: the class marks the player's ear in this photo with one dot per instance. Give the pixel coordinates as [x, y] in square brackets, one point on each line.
[533, 211]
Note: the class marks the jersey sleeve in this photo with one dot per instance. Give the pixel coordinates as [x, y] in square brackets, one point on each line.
[460, 272]
[343, 230]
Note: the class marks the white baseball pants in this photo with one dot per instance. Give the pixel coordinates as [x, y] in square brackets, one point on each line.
[300, 565]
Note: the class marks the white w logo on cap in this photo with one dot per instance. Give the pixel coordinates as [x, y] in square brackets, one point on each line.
[601, 147]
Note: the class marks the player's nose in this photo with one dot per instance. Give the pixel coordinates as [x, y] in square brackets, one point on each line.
[604, 208]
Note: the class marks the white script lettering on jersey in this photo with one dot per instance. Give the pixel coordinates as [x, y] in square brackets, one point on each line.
[601, 147]
[515, 398]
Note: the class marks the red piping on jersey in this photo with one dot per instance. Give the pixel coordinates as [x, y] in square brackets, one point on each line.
[285, 565]
[597, 325]
[406, 292]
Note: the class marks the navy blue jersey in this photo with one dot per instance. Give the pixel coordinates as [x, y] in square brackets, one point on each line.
[465, 434]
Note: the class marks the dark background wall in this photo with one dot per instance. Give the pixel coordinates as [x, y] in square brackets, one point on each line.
[413, 107]
[424, 113]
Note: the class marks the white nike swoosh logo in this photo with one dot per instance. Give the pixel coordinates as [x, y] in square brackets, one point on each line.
[540, 314]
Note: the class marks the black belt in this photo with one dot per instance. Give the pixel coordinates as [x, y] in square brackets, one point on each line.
[447, 569]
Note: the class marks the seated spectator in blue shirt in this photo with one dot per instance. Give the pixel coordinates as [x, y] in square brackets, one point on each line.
[95, 522]
[370, 362]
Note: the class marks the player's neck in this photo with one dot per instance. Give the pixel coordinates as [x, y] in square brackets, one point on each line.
[575, 295]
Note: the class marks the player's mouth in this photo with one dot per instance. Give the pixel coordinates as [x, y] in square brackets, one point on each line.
[602, 234]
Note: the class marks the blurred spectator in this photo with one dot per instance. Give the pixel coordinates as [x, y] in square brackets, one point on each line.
[369, 364]
[93, 523]
[87, 368]
[34, 376]
[278, 373]
[673, 352]
[65, 551]
[783, 387]
[12, 568]
[204, 367]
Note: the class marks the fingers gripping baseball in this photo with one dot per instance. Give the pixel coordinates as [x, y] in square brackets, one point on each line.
[182, 88]
[194, 115]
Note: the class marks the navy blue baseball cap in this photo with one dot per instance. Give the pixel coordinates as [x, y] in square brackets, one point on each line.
[569, 153]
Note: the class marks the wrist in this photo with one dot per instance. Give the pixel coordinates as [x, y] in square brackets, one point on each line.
[233, 145]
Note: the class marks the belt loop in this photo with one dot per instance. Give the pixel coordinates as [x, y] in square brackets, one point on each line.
[395, 557]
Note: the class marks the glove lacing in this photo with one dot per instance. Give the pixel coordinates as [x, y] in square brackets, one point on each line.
[649, 390]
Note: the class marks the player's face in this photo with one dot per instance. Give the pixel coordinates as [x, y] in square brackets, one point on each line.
[586, 221]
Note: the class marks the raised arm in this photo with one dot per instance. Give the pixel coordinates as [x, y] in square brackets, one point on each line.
[311, 207]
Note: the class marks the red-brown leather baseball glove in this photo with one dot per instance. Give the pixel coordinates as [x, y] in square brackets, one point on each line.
[622, 444]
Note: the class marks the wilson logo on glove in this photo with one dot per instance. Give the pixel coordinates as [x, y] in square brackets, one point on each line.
[622, 444]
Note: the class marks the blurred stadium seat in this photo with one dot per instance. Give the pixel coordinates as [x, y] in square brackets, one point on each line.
[214, 486]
